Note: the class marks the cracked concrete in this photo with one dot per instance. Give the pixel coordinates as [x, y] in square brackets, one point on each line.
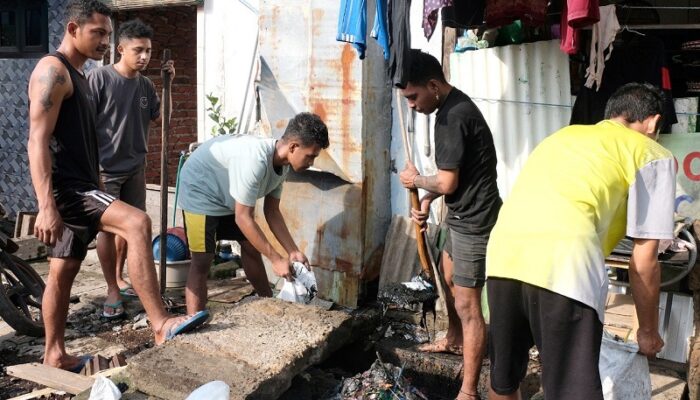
[256, 348]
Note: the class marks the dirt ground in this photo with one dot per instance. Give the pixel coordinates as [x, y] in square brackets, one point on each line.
[87, 333]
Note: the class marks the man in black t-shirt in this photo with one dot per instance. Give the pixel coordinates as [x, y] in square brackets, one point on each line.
[466, 161]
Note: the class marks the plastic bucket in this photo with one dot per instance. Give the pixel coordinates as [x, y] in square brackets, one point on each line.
[175, 248]
[175, 273]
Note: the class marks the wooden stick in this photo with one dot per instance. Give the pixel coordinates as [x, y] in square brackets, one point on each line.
[413, 195]
[165, 130]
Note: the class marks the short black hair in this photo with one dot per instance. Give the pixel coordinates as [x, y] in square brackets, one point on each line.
[308, 128]
[635, 102]
[134, 29]
[79, 11]
[422, 67]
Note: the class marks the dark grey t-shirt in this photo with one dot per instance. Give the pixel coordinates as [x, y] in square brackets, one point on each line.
[463, 140]
[125, 107]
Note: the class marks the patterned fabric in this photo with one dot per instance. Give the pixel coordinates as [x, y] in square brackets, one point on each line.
[430, 10]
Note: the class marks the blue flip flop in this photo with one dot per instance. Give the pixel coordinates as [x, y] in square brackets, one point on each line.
[189, 324]
[117, 307]
[84, 359]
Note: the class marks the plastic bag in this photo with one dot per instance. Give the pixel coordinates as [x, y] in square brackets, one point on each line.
[214, 390]
[104, 389]
[624, 372]
[302, 289]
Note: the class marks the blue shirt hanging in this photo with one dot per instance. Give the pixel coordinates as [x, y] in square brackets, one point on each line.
[379, 30]
[352, 24]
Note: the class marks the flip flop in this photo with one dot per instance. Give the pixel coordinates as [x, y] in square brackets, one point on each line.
[116, 307]
[128, 292]
[84, 359]
[189, 324]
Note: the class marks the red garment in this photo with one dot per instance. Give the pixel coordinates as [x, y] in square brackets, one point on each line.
[576, 14]
[504, 12]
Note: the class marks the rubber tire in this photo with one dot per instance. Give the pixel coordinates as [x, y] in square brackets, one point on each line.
[8, 311]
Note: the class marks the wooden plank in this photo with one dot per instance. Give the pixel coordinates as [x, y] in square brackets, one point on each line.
[30, 248]
[37, 394]
[52, 377]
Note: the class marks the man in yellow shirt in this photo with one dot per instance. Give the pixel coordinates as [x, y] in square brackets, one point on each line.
[581, 190]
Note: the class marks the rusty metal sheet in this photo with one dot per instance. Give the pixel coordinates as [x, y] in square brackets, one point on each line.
[338, 217]
[315, 73]
[399, 263]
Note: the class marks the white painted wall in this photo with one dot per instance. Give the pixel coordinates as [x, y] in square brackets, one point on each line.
[226, 44]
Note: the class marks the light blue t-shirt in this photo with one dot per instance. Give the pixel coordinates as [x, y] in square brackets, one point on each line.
[229, 169]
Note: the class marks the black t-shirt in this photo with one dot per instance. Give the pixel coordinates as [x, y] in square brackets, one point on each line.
[635, 58]
[463, 140]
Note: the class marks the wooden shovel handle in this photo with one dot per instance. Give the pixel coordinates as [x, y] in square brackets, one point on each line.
[420, 238]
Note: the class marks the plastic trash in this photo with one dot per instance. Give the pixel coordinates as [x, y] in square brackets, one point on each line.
[104, 389]
[302, 289]
[214, 390]
[624, 372]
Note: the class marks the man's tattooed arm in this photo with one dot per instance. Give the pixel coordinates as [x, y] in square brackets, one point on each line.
[52, 78]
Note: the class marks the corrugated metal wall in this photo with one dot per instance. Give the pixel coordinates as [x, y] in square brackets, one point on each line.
[523, 92]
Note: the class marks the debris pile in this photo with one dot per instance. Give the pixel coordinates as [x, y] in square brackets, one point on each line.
[381, 382]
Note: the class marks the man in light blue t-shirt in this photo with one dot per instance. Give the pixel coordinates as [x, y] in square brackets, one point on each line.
[219, 185]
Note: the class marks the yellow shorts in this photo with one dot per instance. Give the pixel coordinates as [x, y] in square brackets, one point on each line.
[203, 231]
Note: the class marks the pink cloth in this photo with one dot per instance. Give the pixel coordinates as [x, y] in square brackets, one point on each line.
[430, 11]
[576, 14]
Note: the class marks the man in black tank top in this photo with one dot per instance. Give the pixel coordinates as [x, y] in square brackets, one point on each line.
[64, 165]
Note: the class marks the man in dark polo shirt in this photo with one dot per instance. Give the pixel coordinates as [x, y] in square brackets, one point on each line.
[466, 161]
[64, 165]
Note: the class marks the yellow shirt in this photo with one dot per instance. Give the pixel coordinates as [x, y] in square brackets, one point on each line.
[580, 191]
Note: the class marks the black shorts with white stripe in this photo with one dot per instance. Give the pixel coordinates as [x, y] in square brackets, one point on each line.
[81, 212]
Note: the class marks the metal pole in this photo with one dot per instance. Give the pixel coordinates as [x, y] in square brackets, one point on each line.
[165, 129]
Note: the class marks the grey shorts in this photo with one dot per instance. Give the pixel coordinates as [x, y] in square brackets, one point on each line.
[130, 189]
[468, 253]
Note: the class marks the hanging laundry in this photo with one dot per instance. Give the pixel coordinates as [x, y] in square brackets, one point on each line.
[352, 24]
[576, 14]
[379, 29]
[464, 14]
[504, 12]
[603, 34]
[637, 58]
[430, 11]
[399, 16]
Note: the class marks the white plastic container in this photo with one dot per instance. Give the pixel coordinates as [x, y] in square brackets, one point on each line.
[175, 273]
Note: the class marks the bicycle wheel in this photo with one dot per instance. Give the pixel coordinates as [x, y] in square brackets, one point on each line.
[21, 291]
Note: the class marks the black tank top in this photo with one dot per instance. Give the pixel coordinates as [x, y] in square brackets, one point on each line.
[74, 143]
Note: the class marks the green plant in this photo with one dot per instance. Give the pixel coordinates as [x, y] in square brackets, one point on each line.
[222, 125]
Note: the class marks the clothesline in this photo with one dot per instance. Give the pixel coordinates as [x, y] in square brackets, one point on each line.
[534, 103]
[658, 7]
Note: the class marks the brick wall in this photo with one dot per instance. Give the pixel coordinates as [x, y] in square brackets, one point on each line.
[175, 28]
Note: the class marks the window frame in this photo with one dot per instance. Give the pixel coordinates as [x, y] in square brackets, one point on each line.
[22, 50]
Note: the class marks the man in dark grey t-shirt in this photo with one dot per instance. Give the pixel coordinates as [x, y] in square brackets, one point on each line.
[466, 160]
[126, 104]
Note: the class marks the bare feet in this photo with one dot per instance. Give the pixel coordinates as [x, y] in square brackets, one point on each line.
[441, 346]
[463, 395]
[172, 321]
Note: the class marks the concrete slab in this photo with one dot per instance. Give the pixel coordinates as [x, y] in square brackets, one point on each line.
[256, 348]
[666, 384]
